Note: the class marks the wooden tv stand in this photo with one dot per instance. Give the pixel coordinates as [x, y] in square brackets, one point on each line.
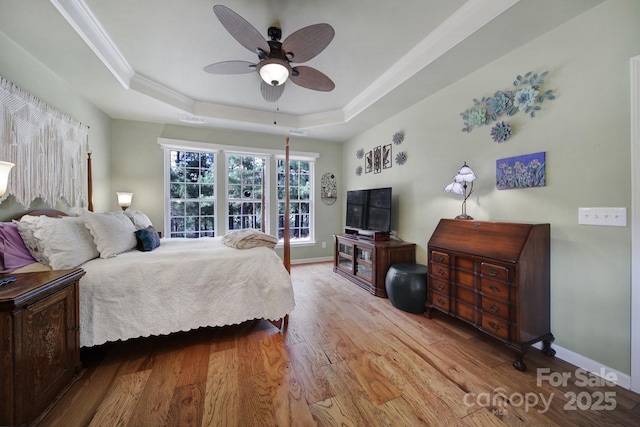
[366, 260]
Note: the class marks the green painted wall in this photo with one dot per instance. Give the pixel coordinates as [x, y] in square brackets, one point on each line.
[585, 133]
[21, 68]
[138, 166]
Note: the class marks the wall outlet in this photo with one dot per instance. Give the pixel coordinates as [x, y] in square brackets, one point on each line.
[324, 245]
[613, 217]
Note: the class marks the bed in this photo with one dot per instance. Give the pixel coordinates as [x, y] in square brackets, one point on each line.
[180, 284]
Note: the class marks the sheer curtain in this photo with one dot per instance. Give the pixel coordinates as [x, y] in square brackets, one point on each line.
[48, 147]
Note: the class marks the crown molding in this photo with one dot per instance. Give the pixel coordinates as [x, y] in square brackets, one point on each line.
[461, 24]
[85, 23]
[162, 93]
[473, 15]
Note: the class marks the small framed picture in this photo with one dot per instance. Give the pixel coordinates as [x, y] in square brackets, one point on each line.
[377, 159]
[386, 156]
[368, 162]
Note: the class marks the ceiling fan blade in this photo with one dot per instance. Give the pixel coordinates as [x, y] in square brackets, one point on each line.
[241, 30]
[231, 67]
[271, 93]
[311, 79]
[307, 42]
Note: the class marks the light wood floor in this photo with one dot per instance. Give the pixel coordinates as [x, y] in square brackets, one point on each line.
[347, 359]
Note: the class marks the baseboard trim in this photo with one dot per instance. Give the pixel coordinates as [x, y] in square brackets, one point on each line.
[596, 368]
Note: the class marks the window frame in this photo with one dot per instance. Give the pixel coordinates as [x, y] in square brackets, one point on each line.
[266, 186]
[311, 240]
[199, 148]
[272, 155]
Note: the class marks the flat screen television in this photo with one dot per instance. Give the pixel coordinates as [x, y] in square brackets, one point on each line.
[369, 209]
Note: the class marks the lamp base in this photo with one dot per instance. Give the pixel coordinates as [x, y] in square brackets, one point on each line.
[464, 216]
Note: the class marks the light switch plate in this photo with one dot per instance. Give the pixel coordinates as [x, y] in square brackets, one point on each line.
[613, 217]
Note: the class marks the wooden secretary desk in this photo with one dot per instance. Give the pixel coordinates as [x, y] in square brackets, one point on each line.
[494, 276]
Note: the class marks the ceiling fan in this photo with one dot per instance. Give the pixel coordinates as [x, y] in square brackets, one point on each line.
[275, 58]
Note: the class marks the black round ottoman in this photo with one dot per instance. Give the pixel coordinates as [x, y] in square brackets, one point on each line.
[406, 286]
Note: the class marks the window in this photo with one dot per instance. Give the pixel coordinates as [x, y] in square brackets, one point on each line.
[245, 174]
[191, 194]
[202, 200]
[300, 200]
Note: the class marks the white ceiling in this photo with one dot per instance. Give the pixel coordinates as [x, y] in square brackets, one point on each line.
[143, 59]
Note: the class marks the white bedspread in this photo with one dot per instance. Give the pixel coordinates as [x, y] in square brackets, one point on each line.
[184, 284]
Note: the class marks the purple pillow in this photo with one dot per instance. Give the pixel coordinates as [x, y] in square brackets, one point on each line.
[13, 253]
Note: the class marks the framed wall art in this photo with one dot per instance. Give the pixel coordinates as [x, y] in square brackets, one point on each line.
[386, 156]
[521, 171]
[377, 159]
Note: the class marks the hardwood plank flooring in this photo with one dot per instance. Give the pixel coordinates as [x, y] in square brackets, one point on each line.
[348, 358]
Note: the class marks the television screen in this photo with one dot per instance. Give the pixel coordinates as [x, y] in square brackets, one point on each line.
[356, 201]
[369, 209]
[379, 209]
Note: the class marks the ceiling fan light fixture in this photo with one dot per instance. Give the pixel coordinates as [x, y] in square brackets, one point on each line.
[274, 71]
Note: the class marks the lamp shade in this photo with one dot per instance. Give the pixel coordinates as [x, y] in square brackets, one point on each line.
[5, 169]
[124, 199]
[465, 174]
[454, 187]
[274, 71]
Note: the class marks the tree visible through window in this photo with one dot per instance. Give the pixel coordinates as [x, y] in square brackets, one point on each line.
[300, 199]
[192, 194]
[244, 191]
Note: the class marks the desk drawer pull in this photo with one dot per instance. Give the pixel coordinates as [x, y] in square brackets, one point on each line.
[441, 271]
[494, 308]
[494, 288]
[494, 326]
[493, 272]
[440, 286]
[439, 258]
[441, 301]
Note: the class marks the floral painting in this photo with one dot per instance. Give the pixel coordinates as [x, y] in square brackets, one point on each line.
[521, 171]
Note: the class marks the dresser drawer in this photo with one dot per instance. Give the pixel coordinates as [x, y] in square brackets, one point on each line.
[439, 271]
[440, 257]
[440, 301]
[495, 325]
[439, 286]
[495, 307]
[466, 312]
[493, 271]
[495, 289]
[466, 295]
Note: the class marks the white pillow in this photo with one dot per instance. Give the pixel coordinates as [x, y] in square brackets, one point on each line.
[113, 232]
[26, 226]
[139, 219]
[65, 242]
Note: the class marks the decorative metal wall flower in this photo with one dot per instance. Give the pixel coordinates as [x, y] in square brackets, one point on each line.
[401, 158]
[501, 132]
[360, 153]
[527, 99]
[397, 138]
[359, 170]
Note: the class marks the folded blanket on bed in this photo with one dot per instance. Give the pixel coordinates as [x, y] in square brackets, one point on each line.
[248, 238]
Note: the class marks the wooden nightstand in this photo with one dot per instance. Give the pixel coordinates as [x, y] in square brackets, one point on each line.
[39, 342]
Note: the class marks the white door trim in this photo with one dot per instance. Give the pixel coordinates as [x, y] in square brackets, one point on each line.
[635, 223]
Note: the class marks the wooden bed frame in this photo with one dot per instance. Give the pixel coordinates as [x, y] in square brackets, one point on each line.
[281, 323]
